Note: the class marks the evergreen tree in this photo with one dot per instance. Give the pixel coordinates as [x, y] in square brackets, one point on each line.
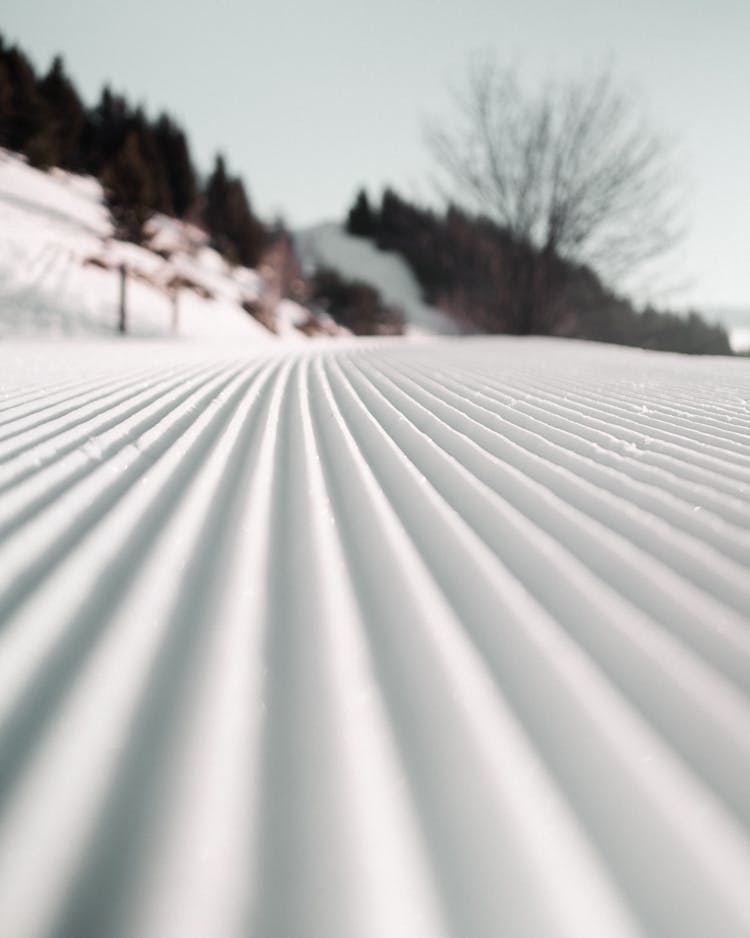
[24, 112]
[65, 115]
[127, 183]
[6, 96]
[235, 232]
[215, 202]
[105, 131]
[148, 144]
[181, 178]
[361, 221]
[245, 230]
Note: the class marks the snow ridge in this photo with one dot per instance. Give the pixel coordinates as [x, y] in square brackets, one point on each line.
[428, 638]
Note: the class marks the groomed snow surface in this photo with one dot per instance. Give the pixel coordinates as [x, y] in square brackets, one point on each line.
[373, 640]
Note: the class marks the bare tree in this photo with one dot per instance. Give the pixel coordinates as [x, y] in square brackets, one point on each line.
[570, 171]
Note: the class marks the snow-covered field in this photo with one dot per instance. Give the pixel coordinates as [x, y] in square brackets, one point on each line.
[365, 640]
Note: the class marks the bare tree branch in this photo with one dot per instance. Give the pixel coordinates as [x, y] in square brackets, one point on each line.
[572, 169]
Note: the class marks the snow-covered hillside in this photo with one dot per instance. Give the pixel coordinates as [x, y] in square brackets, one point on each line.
[736, 320]
[329, 245]
[59, 269]
[364, 639]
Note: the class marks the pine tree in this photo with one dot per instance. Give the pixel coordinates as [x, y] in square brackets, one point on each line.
[160, 194]
[244, 229]
[6, 96]
[128, 188]
[235, 231]
[105, 131]
[361, 220]
[181, 178]
[65, 115]
[23, 116]
[215, 202]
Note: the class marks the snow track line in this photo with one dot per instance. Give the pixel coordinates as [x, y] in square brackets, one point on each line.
[214, 775]
[206, 508]
[24, 566]
[44, 397]
[330, 782]
[89, 429]
[21, 439]
[695, 441]
[59, 406]
[425, 639]
[636, 518]
[630, 650]
[536, 664]
[36, 490]
[659, 447]
[450, 703]
[598, 384]
[651, 410]
[40, 673]
[615, 451]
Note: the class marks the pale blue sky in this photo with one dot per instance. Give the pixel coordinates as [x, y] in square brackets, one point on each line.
[310, 100]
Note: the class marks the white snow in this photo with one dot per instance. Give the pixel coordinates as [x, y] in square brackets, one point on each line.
[329, 245]
[736, 321]
[59, 277]
[740, 338]
[353, 639]
[289, 316]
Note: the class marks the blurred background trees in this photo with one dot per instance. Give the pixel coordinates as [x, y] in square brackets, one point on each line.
[570, 170]
[129, 187]
[229, 220]
[354, 304]
[556, 197]
[144, 165]
[465, 265]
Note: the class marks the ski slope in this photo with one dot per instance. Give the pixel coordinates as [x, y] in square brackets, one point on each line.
[365, 639]
[329, 245]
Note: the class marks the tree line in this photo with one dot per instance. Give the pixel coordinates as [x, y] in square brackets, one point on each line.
[468, 266]
[547, 189]
[561, 194]
[144, 164]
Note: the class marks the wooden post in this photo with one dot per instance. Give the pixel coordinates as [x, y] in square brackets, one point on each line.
[175, 309]
[123, 310]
